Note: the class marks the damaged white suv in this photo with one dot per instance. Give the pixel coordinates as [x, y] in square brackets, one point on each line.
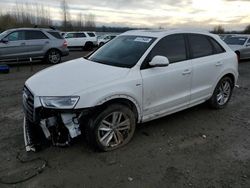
[137, 77]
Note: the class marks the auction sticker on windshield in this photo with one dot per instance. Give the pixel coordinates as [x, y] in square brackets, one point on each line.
[142, 39]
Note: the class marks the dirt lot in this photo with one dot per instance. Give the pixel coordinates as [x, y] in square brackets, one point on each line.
[198, 147]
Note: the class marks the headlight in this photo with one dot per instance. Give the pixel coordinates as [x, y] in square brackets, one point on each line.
[59, 102]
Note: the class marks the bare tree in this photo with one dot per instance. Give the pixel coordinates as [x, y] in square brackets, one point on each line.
[66, 15]
[90, 23]
[218, 30]
[247, 29]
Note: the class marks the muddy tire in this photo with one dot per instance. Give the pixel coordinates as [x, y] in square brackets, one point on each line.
[222, 93]
[112, 128]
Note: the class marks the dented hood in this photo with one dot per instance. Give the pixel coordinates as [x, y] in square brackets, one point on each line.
[72, 77]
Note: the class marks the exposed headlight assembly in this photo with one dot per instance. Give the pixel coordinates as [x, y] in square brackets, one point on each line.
[59, 102]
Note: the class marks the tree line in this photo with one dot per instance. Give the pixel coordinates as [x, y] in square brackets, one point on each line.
[220, 30]
[30, 15]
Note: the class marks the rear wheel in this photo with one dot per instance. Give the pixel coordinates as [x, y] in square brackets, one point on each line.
[53, 56]
[238, 55]
[112, 128]
[222, 93]
[101, 44]
[88, 46]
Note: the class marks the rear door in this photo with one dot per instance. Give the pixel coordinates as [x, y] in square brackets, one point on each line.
[207, 62]
[15, 47]
[71, 39]
[81, 39]
[36, 43]
[167, 89]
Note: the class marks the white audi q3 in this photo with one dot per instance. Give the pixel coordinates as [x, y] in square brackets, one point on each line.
[137, 77]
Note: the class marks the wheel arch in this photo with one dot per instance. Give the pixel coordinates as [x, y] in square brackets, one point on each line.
[231, 75]
[124, 100]
[52, 49]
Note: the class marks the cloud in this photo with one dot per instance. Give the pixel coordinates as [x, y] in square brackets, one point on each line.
[232, 14]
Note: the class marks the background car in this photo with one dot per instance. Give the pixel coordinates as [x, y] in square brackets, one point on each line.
[25, 43]
[86, 40]
[104, 39]
[240, 44]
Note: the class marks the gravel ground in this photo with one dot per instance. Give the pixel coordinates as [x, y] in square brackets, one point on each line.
[198, 147]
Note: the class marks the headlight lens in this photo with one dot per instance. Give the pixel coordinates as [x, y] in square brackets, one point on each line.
[59, 102]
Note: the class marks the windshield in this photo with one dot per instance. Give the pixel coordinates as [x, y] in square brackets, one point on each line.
[123, 51]
[236, 40]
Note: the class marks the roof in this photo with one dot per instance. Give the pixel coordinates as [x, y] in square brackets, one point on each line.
[161, 33]
[32, 29]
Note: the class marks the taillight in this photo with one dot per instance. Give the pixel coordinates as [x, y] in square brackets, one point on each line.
[65, 44]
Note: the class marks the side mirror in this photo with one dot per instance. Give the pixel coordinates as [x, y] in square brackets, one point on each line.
[4, 40]
[248, 44]
[159, 61]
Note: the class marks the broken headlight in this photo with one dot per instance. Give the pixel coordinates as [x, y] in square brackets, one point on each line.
[59, 102]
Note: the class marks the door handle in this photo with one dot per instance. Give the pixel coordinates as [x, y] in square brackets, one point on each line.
[22, 44]
[47, 42]
[218, 64]
[187, 71]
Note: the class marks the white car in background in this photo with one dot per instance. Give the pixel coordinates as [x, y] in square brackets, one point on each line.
[104, 39]
[240, 44]
[84, 39]
[137, 77]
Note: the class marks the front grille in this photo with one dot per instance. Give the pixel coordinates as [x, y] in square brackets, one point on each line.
[28, 104]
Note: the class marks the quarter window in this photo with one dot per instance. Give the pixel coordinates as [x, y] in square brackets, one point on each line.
[35, 35]
[173, 47]
[91, 34]
[200, 46]
[217, 47]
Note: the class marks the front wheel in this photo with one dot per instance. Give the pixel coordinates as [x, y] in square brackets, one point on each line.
[112, 128]
[53, 56]
[222, 93]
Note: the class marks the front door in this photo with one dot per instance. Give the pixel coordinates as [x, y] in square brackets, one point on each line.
[167, 89]
[14, 46]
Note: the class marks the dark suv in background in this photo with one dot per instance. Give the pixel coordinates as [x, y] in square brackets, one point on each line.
[35, 43]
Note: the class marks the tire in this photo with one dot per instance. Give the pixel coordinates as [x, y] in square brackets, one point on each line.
[107, 136]
[238, 55]
[222, 93]
[53, 56]
[101, 44]
[88, 46]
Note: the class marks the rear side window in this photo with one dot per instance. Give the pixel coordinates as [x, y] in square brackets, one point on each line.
[70, 35]
[173, 47]
[217, 47]
[56, 35]
[80, 35]
[200, 45]
[91, 34]
[35, 35]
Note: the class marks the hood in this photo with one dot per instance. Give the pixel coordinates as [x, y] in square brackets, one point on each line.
[235, 47]
[72, 77]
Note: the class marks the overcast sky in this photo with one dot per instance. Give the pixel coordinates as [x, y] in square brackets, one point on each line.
[231, 14]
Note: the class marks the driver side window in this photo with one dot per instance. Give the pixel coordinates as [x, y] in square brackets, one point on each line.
[173, 47]
[15, 36]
